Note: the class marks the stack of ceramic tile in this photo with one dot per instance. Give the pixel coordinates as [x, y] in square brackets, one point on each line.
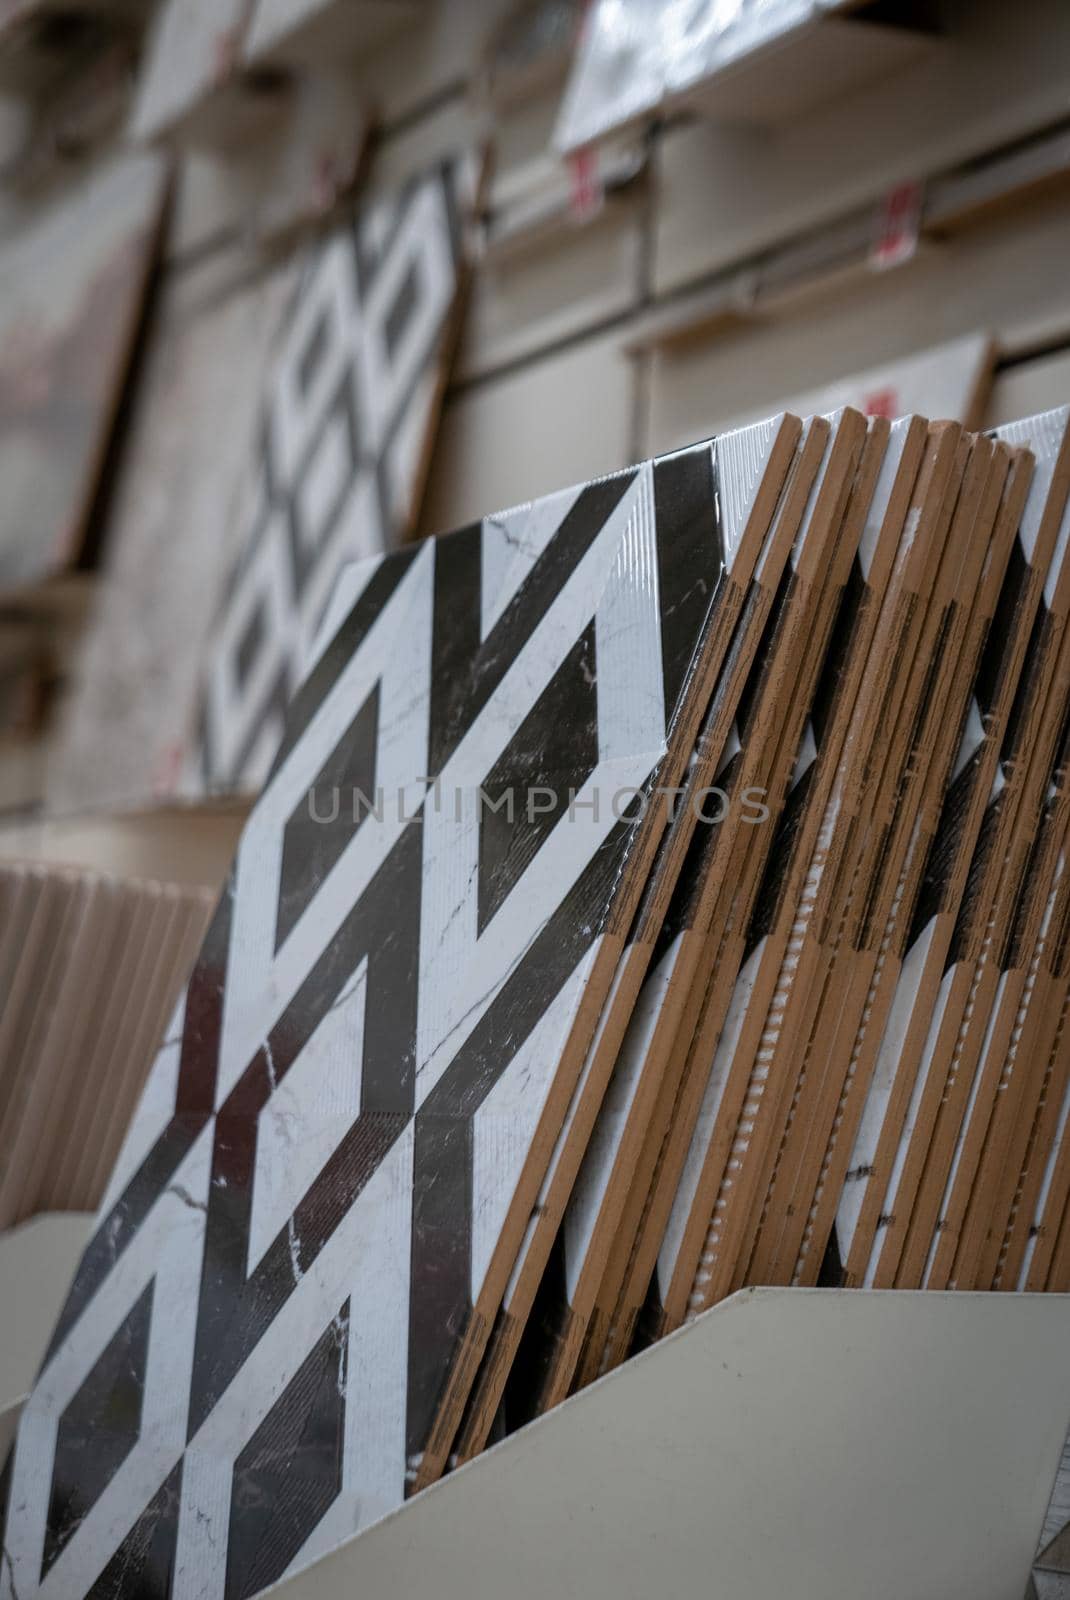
[90, 968]
[873, 1088]
[655, 882]
[771, 1086]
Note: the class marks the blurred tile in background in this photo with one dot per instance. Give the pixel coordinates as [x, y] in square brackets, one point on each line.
[72, 286]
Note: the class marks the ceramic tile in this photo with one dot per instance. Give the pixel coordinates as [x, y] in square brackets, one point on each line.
[76, 1046]
[998, 1231]
[273, 1328]
[66, 332]
[618, 1165]
[860, 959]
[124, 724]
[1045, 1206]
[341, 452]
[728, 193]
[750, 957]
[671, 895]
[1029, 386]
[861, 986]
[935, 1054]
[760, 1049]
[636, 58]
[1018, 1040]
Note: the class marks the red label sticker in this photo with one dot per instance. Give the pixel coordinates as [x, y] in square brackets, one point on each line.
[586, 192]
[168, 770]
[227, 44]
[881, 403]
[898, 226]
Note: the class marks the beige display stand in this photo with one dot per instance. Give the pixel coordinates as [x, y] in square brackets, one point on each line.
[817, 1443]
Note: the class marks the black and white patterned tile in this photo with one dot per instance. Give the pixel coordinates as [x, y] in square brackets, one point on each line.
[342, 442]
[255, 1350]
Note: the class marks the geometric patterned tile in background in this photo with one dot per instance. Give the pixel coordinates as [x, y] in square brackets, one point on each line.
[342, 450]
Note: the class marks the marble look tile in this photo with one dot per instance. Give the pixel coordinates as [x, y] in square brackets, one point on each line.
[272, 1331]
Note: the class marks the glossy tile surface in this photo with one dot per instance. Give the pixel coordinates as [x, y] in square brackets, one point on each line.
[290, 1272]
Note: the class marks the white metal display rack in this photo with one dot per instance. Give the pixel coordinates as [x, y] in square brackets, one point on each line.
[816, 1443]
